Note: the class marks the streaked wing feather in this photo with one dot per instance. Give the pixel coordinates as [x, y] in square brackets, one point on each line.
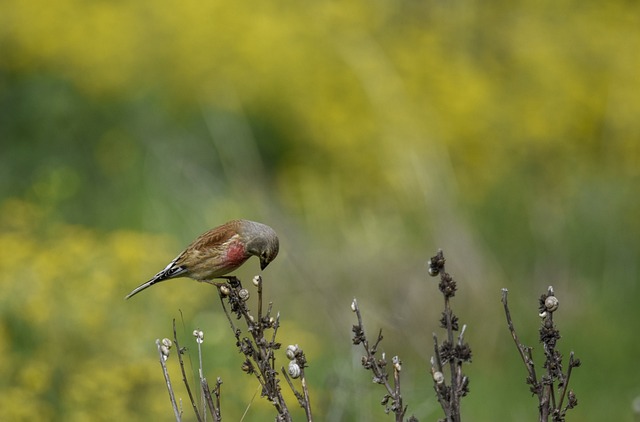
[216, 236]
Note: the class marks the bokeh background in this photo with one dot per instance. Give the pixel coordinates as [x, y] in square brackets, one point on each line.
[368, 134]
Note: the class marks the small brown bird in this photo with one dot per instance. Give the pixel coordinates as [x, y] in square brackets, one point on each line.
[220, 251]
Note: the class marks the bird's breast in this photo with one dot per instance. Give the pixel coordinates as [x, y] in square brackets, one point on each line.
[236, 254]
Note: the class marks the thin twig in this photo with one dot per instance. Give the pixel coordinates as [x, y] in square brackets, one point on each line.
[184, 375]
[209, 400]
[524, 351]
[307, 399]
[377, 366]
[165, 372]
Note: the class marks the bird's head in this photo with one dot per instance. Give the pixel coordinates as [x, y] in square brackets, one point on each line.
[262, 242]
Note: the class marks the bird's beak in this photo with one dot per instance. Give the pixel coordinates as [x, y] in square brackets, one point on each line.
[263, 264]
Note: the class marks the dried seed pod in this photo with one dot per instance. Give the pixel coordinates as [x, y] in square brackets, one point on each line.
[224, 290]
[257, 280]
[167, 343]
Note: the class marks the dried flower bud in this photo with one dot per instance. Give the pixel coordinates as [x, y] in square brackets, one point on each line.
[224, 290]
[354, 305]
[257, 280]
[573, 401]
[294, 369]
[247, 367]
[199, 335]
[432, 269]
[167, 343]
[243, 294]
[551, 303]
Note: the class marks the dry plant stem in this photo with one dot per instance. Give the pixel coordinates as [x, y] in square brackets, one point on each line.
[439, 387]
[565, 386]
[184, 375]
[215, 410]
[216, 392]
[454, 405]
[259, 353]
[165, 372]
[203, 382]
[377, 366]
[307, 399]
[545, 387]
[207, 400]
[450, 351]
[525, 352]
[396, 382]
[303, 398]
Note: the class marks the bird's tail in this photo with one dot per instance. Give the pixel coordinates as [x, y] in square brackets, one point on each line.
[170, 271]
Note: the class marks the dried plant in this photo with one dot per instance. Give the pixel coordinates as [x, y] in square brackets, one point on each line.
[258, 345]
[392, 400]
[452, 352]
[553, 386]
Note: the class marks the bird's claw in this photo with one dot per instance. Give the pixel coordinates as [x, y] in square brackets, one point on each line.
[232, 281]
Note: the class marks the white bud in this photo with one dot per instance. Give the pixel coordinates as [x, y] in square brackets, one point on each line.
[354, 306]
[199, 335]
[224, 290]
[167, 343]
[257, 280]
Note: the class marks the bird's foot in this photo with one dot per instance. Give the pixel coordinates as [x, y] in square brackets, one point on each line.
[232, 281]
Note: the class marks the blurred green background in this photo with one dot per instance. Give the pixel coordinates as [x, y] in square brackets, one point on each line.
[368, 135]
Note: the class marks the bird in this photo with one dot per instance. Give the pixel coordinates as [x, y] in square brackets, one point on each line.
[220, 251]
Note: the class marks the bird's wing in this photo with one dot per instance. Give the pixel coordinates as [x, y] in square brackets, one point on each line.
[215, 237]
